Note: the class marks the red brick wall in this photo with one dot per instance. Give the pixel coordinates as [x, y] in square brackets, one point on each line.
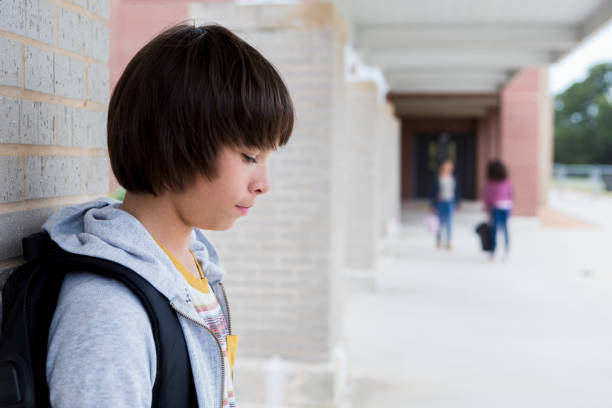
[132, 25]
[519, 116]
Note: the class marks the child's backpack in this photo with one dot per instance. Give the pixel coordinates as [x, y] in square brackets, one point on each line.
[485, 232]
[29, 299]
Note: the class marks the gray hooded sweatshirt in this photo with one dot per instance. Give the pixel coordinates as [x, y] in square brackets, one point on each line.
[101, 348]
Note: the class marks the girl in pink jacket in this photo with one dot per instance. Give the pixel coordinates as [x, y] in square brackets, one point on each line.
[498, 199]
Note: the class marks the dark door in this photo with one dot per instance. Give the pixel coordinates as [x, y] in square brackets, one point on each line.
[431, 149]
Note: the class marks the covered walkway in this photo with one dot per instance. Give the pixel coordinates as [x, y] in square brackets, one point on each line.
[452, 329]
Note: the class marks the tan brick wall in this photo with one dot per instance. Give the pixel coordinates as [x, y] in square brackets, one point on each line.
[284, 260]
[53, 99]
[545, 137]
[388, 183]
[361, 126]
[279, 257]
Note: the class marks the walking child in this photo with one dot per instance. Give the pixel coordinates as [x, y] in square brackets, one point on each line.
[445, 196]
[498, 201]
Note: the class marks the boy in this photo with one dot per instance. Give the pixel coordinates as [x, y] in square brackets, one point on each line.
[191, 124]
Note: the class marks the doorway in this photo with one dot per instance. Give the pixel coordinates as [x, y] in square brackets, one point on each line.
[432, 148]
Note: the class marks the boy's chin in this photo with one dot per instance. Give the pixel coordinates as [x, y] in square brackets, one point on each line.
[219, 227]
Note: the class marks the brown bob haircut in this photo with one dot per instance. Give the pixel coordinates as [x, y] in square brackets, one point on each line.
[188, 93]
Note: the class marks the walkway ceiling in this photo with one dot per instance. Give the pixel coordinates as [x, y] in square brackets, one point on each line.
[466, 46]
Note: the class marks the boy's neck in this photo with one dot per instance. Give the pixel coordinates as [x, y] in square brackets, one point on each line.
[161, 220]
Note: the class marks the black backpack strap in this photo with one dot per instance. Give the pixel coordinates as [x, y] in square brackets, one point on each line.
[38, 246]
[174, 385]
[34, 290]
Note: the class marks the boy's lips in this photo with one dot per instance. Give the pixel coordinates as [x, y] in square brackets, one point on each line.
[243, 209]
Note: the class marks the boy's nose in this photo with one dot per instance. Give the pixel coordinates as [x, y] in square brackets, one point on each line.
[261, 187]
[262, 184]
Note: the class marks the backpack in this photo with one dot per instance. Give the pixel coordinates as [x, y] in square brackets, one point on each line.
[485, 232]
[29, 299]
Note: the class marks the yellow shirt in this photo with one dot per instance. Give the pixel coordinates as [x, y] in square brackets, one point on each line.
[207, 306]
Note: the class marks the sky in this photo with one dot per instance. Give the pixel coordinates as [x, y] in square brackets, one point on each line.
[575, 66]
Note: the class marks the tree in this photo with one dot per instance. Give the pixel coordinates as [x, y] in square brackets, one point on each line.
[583, 120]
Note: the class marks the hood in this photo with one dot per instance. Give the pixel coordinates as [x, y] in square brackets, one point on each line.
[101, 229]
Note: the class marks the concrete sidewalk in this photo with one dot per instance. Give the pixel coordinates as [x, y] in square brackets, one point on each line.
[453, 329]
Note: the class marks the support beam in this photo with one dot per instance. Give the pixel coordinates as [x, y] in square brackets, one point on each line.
[459, 112]
[560, 37]
[460, 105]
[443, 80]
[457, 59]
[499, 75]
[445, 87]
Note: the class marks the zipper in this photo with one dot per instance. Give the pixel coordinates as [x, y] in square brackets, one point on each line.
[218, 344]
[229, 315]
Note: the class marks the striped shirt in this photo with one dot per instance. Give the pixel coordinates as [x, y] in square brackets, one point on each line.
[206, 305]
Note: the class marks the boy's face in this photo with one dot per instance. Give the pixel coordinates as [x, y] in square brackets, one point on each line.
[242, 175]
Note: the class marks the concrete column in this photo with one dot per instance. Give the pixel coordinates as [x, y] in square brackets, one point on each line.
[546, 134]
[525, 138]
[395, 176]
[407, 146]
[284, 260]
[361, 209]
[388, 183]
[53, 99]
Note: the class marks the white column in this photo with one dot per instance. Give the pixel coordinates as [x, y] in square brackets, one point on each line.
[361, 128]
[283, 261]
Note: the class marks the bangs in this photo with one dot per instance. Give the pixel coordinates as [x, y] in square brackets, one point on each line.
[251, 104]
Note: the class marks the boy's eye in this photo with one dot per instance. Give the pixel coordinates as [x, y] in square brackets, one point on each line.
[249, 159]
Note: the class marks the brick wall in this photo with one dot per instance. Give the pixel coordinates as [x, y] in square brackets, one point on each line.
[278, 258]
[361, 208]
[521, 133]
[284, 260]
[53, 98]
[545, 136]
[388, 173]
